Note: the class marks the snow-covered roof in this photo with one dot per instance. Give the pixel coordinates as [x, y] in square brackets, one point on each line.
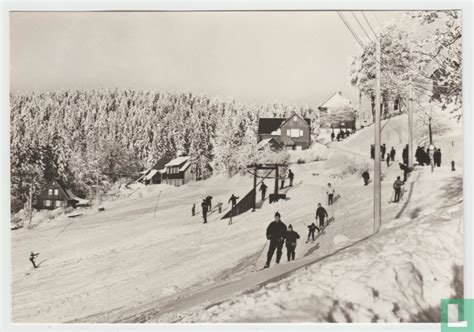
[150, 175]
[177, 161]
[337, 100]
[185, 166]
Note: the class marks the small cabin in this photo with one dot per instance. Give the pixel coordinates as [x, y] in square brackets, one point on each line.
[292, 133]
[154, 174]
[177, 171]
[55, 194]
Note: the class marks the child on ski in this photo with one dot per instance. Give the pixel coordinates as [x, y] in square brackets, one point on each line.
[291, 237]
[330, 192]
[311, 229]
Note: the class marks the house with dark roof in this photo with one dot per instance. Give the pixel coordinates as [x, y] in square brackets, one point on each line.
[56, 194]
[292, 133]
[153, 175]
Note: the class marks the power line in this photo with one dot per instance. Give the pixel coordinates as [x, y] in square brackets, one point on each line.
[356, 37]
[362, 27]
[368, 23]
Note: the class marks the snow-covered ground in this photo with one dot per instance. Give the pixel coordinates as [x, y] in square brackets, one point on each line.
[145, 259]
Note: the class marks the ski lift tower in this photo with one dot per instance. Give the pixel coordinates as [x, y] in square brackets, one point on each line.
[277, 169]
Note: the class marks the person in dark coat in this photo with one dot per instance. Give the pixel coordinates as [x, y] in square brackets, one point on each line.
[392, 154]
[233, 200]
[372, 151]
[321, 214]
[388, 159]
[311, 229]
[347, 132]
[291, 176]
[193, 210]
[405, 155]
[276, 233]
[405, 170]
[383, 148]
[209, 202]
[427, 159]
[418, 157]
[453, 164]
[332, 136]
[291, 237]
[366, 177]
[438, 158]
[397, 186]
[263, 189]
[205, 209]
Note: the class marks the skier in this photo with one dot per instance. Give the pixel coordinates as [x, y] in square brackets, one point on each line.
[276, 233]
[397, 186]
[291, 237]
[219, 207]
[330, 192]
[322, 214]
[193, 210]
[209, 202]
[204, 210]
[392, 154]
[383, 148]
[347, 132]
[233, 199]
[332, 136]
[32, 259]
[418, 156]
[263, 189]
[311, 229]
[291, 176]
[388, 159]
[372, 151]
[453, 168]
[405, 170]
[366, 177]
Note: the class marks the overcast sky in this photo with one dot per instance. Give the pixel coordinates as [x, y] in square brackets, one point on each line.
[256, 57]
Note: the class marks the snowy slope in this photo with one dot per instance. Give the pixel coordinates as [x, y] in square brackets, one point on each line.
[130, 263]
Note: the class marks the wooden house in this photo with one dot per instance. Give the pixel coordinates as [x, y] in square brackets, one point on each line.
[292, 133]
[56, 194]
[154, 174]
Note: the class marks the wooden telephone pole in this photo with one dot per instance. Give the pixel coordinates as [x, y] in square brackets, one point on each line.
[377, 162]
[410, 127]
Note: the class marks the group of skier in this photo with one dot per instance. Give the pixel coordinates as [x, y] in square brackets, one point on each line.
[340, 135]
[384, 154]
[278, 234]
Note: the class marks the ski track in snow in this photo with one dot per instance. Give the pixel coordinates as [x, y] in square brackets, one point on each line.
[124, 265]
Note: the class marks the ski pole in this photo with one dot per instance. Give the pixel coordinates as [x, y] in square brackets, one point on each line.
[261, 252]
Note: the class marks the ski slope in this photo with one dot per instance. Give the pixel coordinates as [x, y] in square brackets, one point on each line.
[145, 259]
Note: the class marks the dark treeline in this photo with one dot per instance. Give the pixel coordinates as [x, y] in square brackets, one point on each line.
[82, 136]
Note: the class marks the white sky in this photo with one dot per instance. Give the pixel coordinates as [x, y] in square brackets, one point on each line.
[289, 57]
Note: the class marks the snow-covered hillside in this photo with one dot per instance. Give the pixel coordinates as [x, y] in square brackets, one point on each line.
[145, 259]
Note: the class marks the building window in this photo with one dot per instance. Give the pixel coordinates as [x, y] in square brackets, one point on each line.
[295, 133]
[56, 192]
[288, 132]
[50, 192]
[47, 203]
[58, 203]
[295, 119]
[301, 133]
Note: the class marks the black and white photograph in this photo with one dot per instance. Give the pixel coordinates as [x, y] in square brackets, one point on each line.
[235, 166]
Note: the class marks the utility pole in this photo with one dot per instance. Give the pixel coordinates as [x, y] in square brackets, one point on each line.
[30, 205]
[97, 190]
[377, 162]
[410, 127]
